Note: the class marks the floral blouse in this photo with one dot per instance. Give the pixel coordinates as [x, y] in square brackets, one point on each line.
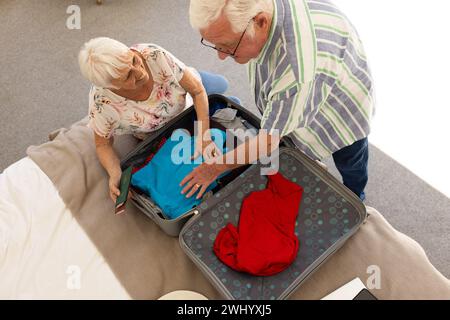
[111, 114]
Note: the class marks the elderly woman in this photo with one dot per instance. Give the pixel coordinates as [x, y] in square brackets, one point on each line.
[137, 90]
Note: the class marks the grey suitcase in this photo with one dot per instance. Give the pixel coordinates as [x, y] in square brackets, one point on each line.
[329, 214]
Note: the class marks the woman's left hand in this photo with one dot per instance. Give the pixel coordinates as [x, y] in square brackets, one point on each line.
[199, 179]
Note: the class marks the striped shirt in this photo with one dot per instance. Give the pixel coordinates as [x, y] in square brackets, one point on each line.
[311, 80]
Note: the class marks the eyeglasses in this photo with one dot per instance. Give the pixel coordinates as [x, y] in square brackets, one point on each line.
[231, 54]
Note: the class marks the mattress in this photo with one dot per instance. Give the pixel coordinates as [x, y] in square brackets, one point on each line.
[44, 253]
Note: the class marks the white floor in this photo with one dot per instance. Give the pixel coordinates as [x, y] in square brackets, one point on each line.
[407, 43]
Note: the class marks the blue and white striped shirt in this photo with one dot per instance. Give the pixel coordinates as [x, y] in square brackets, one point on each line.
[311, 80]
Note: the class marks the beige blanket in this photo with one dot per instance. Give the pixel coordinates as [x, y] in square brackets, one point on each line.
[149, 263]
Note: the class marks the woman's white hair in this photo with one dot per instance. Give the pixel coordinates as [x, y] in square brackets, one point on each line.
[239, 12]
[103, 59]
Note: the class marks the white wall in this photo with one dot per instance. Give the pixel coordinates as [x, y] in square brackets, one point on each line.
[407, 44]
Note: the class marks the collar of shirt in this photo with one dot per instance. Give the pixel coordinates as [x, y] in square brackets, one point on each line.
[274, 34]
[291, 17]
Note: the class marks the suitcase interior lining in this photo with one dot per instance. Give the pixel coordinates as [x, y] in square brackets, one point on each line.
[325, 218]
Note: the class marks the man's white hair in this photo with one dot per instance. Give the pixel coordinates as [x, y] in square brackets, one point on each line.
[103, 59]
[239, 12]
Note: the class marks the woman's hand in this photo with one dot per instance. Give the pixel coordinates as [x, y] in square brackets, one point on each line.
[199, 179]
[110, 161]
[114, 191]
[206, 147]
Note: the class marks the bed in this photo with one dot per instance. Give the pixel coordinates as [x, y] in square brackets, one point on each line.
[43, 246]
[59, 239]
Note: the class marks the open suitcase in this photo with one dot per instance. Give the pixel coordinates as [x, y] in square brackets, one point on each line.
[329, 214]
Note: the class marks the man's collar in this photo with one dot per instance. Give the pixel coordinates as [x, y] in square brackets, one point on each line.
[275, 32]
[302, 58]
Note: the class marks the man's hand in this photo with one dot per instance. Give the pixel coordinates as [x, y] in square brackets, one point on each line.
[202, 176]
[199, 179]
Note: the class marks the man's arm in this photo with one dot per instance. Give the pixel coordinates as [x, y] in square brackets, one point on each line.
[253, 149]
[291, 104]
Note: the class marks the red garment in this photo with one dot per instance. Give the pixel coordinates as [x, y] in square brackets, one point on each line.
[265, 242]
[153, 151]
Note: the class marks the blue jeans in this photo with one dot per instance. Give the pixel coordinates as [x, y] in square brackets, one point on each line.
[215, 83]
[352, 163]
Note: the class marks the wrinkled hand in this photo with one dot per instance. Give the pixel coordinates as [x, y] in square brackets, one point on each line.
[199, 179]
[114, 192]
[207, 147]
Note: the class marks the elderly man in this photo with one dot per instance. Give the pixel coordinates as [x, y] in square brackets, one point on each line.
[308, 73]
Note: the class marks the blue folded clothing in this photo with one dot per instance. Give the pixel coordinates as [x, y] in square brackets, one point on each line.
[161, 177]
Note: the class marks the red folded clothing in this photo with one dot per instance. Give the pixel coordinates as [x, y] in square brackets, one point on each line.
[264, 242]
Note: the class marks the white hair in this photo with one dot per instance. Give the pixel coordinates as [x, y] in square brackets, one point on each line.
[238, 12]
[103, 59]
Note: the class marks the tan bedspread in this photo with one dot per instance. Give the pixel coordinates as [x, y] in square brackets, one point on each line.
[149, 264]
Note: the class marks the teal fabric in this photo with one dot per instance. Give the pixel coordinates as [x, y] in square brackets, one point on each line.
[162, 176]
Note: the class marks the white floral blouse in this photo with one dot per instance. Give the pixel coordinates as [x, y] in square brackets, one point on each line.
[111, 114]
